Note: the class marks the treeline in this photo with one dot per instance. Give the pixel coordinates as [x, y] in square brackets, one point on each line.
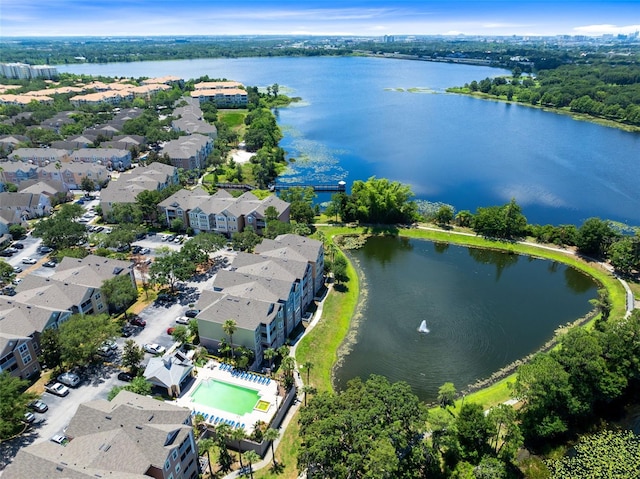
[600, 90]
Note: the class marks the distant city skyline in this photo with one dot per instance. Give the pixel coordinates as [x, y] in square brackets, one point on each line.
[42, 18]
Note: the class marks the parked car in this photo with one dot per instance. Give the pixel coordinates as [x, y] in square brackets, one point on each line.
[136, 249]
[44, 249]
[49, 264]
[183, 320]
[110, 343]
[69, 379]
[127, 331]
[18, 245]
[17, 269]
[56, 388]
[28, 260]
[125, 376]
[154, 348]
[138, 321]
[170, 330]
[145, 251]
[38, 406]
[59, 439]
[6, 253]
[29, 417]
[191, 313]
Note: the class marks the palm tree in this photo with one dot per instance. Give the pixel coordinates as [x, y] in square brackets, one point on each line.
[271, 435]
[251, 457]
[308, 365]
[269, 354]
[197, 420]
[307, 389]
[224, 460]
[238, 435]
[204, 445]
[230, 327]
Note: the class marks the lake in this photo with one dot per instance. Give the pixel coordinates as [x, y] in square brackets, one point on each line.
[363, 117]
[484, 309]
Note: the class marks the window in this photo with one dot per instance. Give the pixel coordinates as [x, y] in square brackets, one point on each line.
[178, 468]
[174, 454]
[25, 355]
[166, 465]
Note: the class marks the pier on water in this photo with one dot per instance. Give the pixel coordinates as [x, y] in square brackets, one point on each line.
[339, 187]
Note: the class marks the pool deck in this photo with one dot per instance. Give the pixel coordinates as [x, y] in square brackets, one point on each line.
[221, 372]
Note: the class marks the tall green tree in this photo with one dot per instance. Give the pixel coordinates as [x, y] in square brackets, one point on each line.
[379, 200]
[87, 185]
[472, 430]
[50, 351]
[446, 395]
[370, 426]
[132, 355]
[13, 404]
[61, 230]
[82, 335]
[170, 267]
[119, 292]
[6, 273]
[230, 327]
[505, 222]
[594, 237]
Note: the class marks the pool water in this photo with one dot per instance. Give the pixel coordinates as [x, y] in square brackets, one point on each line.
[226, 397]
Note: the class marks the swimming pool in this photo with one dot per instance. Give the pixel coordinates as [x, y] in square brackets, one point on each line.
[225, 397]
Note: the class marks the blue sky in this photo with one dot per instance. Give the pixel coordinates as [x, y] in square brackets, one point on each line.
[316, 17]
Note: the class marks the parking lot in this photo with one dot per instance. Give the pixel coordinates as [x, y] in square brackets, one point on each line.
[98, 381]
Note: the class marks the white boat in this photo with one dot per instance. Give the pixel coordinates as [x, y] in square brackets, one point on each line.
[423, 327]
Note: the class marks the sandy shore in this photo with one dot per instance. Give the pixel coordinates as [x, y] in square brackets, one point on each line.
[241, 156]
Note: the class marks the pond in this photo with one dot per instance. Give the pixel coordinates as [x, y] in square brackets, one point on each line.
[484, 309]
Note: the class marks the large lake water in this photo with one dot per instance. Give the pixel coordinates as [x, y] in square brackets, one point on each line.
[358, 119]
[484, 309]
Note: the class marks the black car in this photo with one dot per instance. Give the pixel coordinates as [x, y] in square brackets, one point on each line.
[125, 377]
[6, 253]
[136, 249]
[127, 331]
[191, 313]
[18, 245]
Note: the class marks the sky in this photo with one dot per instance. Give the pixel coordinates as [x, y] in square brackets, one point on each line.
[317, 17]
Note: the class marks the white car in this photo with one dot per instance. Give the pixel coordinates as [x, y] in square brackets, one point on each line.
[154, 348]
[28, 260]
[182, 320]
[69, 379]
[59, 438]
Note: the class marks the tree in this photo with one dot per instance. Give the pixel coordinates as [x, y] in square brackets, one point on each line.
[548, 403]
[504, 436]
[272, 435]
[444, 215]
[602, 304]
[623, 254]
[17, 231]
[126, 213]
[82, 335]
[594, 237]
[472, 432]
[347, 433]
[147, 202]
[61, 230]
[505, 222]
[50, 354]
[13, 403]
[245, 241]
[119, 292]
[251, 457]
[269, 354]
[225, 461]
[238, 435]
[132, 355]
[446, 395]
[170, 267]
[180, 334]
[340, 269]
[87, 185]
[307, 366]
[139, 385]
[379, 200]
[6, 272]
[230, 327]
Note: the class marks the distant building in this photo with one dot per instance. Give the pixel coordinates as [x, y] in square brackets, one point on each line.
[22, 71]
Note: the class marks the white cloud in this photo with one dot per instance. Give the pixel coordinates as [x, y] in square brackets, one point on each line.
[606, 29]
